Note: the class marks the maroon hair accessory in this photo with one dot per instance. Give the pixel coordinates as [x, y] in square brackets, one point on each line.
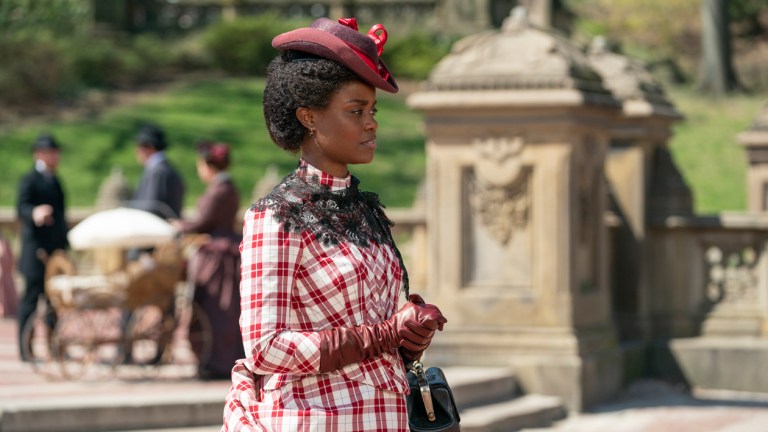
[219, 152]
[378, 39]
[349, 22]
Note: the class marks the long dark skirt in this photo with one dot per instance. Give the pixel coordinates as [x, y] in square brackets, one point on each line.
[216, 271]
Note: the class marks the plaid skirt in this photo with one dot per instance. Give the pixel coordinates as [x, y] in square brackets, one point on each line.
[326, 402]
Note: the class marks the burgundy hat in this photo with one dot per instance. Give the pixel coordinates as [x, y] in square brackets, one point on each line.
[341, 41]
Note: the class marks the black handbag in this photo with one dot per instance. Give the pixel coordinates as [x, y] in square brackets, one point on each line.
[431, 407]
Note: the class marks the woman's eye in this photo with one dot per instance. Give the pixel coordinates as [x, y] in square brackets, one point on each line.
[360, 112]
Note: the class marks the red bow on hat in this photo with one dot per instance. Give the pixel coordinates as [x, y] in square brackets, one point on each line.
[378, 34]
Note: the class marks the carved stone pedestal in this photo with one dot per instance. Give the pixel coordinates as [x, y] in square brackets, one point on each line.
[517, 128]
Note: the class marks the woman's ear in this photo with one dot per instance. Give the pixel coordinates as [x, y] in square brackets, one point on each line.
[306, 117]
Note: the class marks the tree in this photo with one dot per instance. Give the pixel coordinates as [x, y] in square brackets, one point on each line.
[716, 72]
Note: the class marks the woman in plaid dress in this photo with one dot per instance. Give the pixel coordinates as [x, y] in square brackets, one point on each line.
[323, 334]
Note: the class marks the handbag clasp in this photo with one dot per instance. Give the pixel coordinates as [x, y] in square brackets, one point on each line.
[426, 393]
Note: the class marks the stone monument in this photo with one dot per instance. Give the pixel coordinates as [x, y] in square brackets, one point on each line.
[755, 140]
[114, 190]
[518, 127]
[644, 182]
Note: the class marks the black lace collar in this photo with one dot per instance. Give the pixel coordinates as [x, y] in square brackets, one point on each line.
[310, 200]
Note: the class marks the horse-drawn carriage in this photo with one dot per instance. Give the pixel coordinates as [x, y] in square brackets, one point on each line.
[115, 312]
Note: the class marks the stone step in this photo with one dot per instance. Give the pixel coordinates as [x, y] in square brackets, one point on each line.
[166, 409]
[527, 411]
[188, 405]
[473, 386]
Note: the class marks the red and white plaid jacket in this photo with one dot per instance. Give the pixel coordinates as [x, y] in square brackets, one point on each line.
[293, 286]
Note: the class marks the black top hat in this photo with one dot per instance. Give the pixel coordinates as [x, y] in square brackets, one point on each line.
[45, 142]
[151, 136]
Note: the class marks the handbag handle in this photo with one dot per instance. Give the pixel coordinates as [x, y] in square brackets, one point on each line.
[426, 393]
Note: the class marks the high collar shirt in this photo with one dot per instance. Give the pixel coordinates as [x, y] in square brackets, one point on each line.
[154, 160]
[43, 169]
[293, 286]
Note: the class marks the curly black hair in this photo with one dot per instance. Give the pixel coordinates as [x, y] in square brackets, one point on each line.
[294, 80]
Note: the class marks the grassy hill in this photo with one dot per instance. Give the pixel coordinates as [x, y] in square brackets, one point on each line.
[704, 144]
[705, 148]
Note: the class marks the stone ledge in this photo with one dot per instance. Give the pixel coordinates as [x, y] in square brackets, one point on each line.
[720, 363]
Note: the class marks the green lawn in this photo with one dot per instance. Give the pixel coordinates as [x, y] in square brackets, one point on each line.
[704, 144]
[706, 149]
[228, 110]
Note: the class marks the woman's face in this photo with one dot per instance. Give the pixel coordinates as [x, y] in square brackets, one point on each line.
[344, 131]
[205, 172]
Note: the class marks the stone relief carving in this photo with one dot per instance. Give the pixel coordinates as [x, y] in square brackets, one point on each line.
[731, 276]
[499, 186]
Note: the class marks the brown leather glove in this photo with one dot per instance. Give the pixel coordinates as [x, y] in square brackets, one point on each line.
[426, 333]
[412, 327]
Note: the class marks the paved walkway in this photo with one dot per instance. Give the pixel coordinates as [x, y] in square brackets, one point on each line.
[22, 387]
[652, 406]
[647, 406]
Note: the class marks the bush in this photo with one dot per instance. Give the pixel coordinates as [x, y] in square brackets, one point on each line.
[35, 76]
[413, 56]
[244, 46]
[102, 65]
[109, 63]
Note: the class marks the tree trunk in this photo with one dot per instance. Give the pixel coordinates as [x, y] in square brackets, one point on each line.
[716, 73]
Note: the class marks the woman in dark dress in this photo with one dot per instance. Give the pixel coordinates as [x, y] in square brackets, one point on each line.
[215, 267]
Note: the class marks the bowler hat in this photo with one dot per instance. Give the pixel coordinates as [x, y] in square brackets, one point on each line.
[341, 41]
[151, 136]
[45, 142]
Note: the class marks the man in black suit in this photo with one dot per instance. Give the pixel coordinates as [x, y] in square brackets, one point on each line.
[161, 189]
[40, 209]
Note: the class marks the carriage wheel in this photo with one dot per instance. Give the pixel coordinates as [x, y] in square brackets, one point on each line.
[37, 348]
[193, 340]
[149, 334]
[72, 344]
[107, 344]
[88, 343]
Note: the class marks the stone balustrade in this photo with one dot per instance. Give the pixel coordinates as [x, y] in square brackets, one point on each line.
[409, 230]
[710, 276]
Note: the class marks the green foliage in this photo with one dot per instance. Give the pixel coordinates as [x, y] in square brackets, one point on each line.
[102, 65]
[58, 17]
[244, 46]
[45, 69]
[653, 30]
[36, 75]
[227, 110]
[414, 55]
[746, 9]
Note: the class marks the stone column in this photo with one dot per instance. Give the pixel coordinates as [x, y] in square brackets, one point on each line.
[644, 184]
[114, 190]
[518, 128]
[755, 141]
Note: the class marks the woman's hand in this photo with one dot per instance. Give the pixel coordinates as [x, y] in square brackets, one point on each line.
[411, 328]
[176, 223]
[419, 337]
